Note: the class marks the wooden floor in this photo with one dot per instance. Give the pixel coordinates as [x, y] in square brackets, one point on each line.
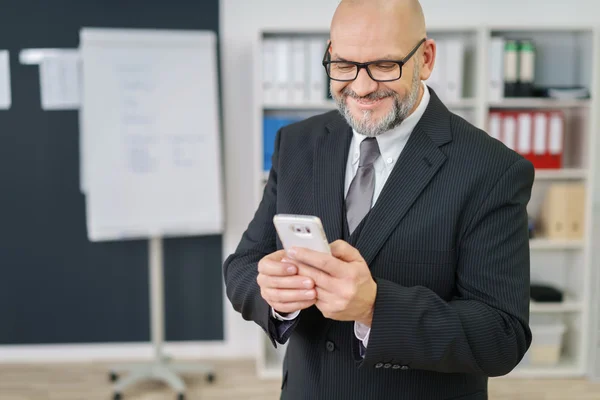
[235, 380]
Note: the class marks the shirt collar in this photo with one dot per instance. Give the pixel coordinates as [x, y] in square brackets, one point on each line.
[391, 142]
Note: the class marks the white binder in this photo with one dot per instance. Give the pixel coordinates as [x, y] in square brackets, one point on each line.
[317, 81]
[455, 60]
[283, 57]
[437, 79]
[299, 93]
[269, 68]
[496, 69]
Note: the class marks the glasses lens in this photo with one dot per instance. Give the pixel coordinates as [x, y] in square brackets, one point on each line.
[385, 71]
[342, 71]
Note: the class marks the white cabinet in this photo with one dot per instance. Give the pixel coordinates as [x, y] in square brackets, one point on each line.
[564, 56]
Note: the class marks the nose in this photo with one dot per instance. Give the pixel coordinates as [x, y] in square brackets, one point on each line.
[363, 85]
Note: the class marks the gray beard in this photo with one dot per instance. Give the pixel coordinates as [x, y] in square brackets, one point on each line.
[369, 127]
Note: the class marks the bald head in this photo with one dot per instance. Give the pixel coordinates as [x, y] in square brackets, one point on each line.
[405, 14]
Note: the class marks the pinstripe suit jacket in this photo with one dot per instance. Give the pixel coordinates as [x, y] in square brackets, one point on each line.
[447, 244]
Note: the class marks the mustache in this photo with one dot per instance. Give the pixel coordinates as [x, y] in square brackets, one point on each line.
[378, 95]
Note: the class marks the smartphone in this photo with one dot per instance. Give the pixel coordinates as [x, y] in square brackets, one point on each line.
[301, 231]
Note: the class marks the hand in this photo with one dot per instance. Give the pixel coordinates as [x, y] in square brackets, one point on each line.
[345, 288]
[282, 287]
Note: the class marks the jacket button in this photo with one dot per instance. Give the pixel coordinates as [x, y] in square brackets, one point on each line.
[378, 365]
[387, 365]
[329, 346]
[404, 367]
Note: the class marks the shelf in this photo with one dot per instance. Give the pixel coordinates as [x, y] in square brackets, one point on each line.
[561, 174]
[562, 263]
[538, 102]
[554, 244]
[551, 308]
[566, 368]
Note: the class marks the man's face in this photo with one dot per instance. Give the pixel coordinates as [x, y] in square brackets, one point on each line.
[371, 107]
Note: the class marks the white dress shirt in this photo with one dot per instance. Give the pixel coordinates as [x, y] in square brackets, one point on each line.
[391, 144]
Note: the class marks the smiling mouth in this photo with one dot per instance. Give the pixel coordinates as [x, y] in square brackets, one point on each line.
[366, 103]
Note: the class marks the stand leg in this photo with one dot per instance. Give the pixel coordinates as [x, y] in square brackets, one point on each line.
[157, 295]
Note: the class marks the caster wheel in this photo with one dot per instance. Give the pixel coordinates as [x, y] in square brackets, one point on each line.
[181, 396]
[210, 378]
[113, 377]
[117, 396]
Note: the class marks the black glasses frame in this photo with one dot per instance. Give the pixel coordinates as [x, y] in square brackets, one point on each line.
[326, 63]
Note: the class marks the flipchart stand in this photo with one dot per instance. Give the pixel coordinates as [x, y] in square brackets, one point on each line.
[161, 367]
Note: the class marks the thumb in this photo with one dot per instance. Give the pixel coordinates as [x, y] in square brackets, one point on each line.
[344, 251]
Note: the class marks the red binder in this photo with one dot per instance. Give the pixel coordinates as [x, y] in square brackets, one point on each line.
[538, 135]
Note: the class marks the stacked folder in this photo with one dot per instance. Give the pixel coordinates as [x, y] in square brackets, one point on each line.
[538, 135]
[447, 77]
[292, 70]
[511, 68]
[562, 216]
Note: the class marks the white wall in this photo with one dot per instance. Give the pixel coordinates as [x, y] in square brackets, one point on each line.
[241, 21]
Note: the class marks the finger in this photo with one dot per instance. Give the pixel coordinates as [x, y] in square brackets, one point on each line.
[276, 268]
[317, 259]
[286, 282]
[319, 277]
[288, 295]
[326, 296]
[277, 256]
[344, 251]
[291, 307]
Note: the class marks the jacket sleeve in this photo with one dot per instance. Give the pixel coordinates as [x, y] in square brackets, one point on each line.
[484, 329]
[240, 269]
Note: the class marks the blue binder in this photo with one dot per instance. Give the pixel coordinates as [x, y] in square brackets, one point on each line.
[270, 127]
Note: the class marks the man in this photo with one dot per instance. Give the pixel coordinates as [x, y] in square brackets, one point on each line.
[426, 293]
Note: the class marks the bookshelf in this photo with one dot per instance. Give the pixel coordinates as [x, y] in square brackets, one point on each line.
[565, 56]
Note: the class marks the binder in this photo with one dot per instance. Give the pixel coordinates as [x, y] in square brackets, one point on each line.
[540, 138]
[272, 124]
[496, 69]
[562, 215]
[269, 68]
[509, 129]
[437, 78]
[299, 66]
[536, 135]
[526, 68]
[283, 62]
[454, 65]
[317, 77]
[548, 139]
[495, 125]
[525, 135]
[511, 67]
[555, 139]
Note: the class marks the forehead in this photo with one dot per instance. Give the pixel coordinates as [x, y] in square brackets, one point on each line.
[367, 40]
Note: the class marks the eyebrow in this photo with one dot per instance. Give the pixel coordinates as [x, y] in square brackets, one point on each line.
[336, 57]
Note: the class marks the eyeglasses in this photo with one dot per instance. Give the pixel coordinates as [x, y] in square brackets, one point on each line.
[379, 70]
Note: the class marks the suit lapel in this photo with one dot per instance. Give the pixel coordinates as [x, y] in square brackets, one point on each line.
[417, 165]
[330, 155]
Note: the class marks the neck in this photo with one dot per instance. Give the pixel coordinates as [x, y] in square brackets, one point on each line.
[419, 98]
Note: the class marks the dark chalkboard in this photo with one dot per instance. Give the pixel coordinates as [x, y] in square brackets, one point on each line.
[55, 285]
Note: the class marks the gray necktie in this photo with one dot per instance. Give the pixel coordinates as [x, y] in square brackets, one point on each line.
[360, 194]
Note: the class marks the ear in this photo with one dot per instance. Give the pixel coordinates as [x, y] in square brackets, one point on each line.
[428, 59]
